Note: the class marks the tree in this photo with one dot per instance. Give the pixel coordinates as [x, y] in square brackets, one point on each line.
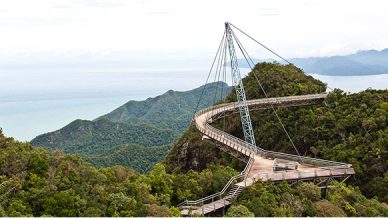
[283, 212]
[92, 212]
[308, 190]
[2, 211]
[326, 209]
[58, 184]
[186, 186]
[239, 211]
[65, 204]
[175, 212]
[157, 211]
[161, 182]
[121, 205]
[221, 175]
[262, 208]
[291, 205]
[18, 208]
[38, 162]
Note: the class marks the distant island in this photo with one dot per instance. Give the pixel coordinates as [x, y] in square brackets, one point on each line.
[364, 62]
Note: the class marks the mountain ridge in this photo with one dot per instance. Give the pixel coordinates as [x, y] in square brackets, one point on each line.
[152, 123]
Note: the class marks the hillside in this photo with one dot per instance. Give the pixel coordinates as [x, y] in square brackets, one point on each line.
[190, 152]
[149, 125]
[88, 137]
[139, 158]
[349, 128]
[36, 182]
[172, 110]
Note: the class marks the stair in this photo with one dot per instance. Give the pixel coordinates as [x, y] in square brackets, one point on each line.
[234, 192]
[213, 206]
[260, 164]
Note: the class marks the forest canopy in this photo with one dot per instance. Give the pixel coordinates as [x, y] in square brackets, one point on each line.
[346, 127]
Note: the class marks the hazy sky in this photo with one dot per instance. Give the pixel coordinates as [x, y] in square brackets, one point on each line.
[58, 30]
[136, 34]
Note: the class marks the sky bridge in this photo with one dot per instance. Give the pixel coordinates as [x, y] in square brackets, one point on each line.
[261, 164]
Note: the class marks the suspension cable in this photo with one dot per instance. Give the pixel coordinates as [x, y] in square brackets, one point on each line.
[218, 72]
[243, 51]
[225, 78]
[208, 76]
[273, 52]
[261, 44]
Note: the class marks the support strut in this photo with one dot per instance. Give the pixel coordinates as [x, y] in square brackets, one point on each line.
[240, 92]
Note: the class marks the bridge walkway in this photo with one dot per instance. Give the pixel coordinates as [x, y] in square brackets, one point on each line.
[261, 162]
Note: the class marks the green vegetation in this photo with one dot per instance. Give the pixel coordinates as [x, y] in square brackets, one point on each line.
[172, 110]
[137, 134]
[35, 182]
[239, 211]
[278, 80]
[349, 128]
[191, 152]
[94, 137]
[282, 200]
[137, 157]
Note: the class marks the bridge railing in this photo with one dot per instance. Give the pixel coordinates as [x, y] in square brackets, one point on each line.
[300, 175]
[221, 194]
[250, 150]
[246, 147]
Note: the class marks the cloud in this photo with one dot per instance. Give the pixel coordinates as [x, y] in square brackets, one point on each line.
[159, 13]
[295, 28]
[100, 3]
[269, 11]
[269, 14]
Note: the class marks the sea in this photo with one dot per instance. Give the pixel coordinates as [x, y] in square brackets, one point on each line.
[37, 101]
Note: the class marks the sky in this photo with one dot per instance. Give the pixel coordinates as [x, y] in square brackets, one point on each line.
[65, 59]
[182, 32]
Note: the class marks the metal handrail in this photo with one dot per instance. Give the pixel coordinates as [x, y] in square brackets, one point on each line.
[263, 152]
[273, 154]
[249, 149]
[220, 193]
[331, 172]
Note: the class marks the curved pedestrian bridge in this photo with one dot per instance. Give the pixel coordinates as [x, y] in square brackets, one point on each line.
[261, 164]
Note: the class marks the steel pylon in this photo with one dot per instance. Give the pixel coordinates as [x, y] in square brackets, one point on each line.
[240, 92]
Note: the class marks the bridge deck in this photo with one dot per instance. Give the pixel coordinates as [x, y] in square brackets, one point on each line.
[262, 169]
[207, 208]
[262, 166]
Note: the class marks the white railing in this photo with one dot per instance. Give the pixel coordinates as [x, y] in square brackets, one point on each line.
[192, 205]
[250, 150]
[297, 174]
[232, 141]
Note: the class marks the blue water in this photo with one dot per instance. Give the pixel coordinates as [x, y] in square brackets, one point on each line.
[33, 102]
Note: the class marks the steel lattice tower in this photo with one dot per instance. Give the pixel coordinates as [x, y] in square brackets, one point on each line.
[240, 92]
